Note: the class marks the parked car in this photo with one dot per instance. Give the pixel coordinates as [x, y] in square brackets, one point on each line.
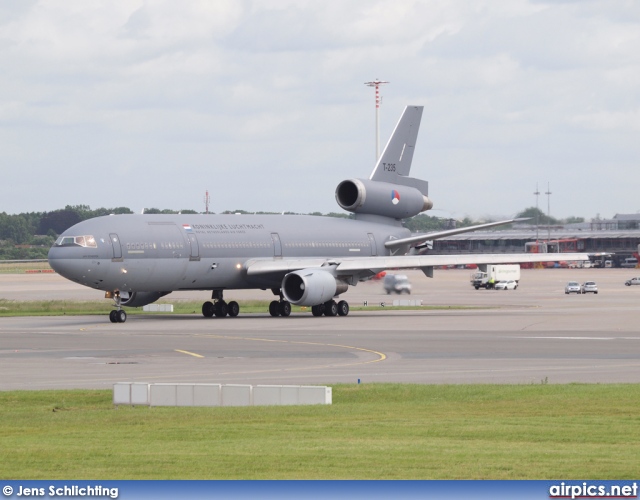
[396, 283]
[573, 287]
[632, 281]
[506, 285]
[589, 287]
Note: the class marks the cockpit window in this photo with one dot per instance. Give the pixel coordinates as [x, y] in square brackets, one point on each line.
[79, 241]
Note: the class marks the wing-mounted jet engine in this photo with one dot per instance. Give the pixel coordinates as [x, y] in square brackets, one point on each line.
[316, 288]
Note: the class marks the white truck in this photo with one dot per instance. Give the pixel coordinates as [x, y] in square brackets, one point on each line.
[488, 275]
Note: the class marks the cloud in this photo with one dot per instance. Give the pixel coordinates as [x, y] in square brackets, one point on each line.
[143, 103]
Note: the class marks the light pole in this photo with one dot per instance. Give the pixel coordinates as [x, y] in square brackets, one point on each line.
[537, 193]
[207, 200]
[376, 83]
[548, 193]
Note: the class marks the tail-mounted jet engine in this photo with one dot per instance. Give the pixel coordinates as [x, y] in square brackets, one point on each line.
[364, 196]
[310, 287]
[139, 299]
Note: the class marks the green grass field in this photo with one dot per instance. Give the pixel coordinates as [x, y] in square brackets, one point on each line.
[23, 267]
[76, 308]
[378, 431]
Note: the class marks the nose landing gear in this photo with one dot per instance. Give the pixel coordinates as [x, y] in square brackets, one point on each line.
[117, 315]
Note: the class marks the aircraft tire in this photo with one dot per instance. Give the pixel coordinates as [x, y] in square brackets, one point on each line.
[221, 309]
[112, 316]
[330, 308]
[274, 308]
[234, 309]
[208, 309]
[317, 310]
[121, 316]
[284, 308]
[343, 308]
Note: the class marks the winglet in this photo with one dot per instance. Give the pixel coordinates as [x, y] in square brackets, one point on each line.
[413, 240]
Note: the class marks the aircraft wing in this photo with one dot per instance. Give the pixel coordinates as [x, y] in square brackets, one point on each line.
[449, 232]
[349, 266]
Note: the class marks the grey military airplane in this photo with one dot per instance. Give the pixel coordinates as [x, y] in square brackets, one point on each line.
[304, 260]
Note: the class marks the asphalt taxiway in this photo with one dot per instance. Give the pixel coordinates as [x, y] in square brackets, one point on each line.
[535, 334]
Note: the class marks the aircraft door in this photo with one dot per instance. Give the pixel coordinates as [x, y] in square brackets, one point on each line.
[169, 262]
[277, 246]
[195, 250]
[117, 248]
[374, 247]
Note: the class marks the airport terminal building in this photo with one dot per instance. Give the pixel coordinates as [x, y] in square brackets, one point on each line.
[614, 239]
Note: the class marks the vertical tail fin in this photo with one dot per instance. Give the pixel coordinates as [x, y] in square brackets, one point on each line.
[394, 164]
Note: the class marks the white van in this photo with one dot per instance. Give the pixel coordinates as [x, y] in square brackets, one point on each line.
[396, 283]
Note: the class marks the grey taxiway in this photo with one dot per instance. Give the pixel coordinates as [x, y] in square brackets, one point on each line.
[535, 334]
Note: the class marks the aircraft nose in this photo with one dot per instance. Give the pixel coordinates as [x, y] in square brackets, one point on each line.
[58, 263]
[69, 266]
[72, 264]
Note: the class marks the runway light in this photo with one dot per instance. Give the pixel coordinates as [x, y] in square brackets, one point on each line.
[124, 271]
[238, 266]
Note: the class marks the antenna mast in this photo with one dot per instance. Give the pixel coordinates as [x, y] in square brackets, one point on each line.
[376, 83]
[537, 193]
[548, 193]
[207, 200]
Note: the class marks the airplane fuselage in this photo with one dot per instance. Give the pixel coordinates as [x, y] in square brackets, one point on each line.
[305, 260]
[157, 253]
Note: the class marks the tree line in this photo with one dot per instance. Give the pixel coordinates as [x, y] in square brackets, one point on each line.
[29, 235]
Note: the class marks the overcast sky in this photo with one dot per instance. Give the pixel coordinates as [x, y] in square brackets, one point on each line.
[263, 103]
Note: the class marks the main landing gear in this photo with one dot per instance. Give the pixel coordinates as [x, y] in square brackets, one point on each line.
[219, 308]
[117, 315]
[331, 308]
[280, 308]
